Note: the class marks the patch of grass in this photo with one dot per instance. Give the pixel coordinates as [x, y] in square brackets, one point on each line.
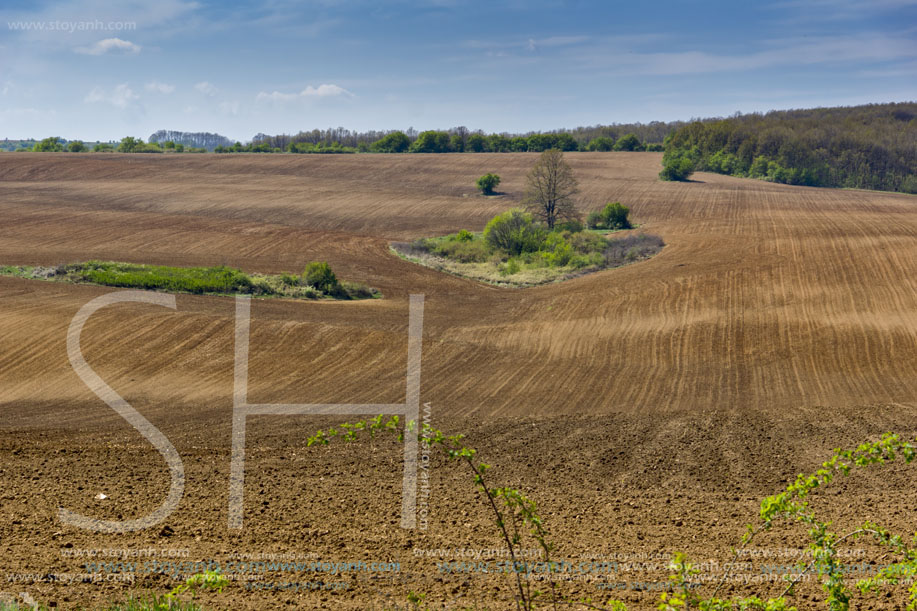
[220, 280]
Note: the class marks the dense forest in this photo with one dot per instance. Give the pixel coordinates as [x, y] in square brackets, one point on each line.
[864, 147]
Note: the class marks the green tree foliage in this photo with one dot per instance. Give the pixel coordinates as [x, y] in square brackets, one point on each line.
[866, 147]
[556, 251]
[76, 146]
[395, 142]
[431, 142]
[628, 142]
[129, 144]
[677, 165]
[612, 216]
[49, 145]
[103, 147]
[318, 148]
[542, 142]
[476, 143]
[457, 143]
[550, 189]
[909, 185]
[318, 274]
[602, 143]
[514, 232]
[488, 183]
[499, 143]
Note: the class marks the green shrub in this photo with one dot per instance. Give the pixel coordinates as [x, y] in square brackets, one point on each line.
[615, 216]
[593, 259]
[318, 274]
[572, 225]
[514, 232]
[509, 268]
[676, 166]
[556, 251]
[586, 243]
[612, 216]
[488, 183]
[463, 236]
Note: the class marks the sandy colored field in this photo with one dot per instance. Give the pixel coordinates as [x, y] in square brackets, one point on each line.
[646, 408]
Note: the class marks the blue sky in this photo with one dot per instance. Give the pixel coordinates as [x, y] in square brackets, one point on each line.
[104, 69]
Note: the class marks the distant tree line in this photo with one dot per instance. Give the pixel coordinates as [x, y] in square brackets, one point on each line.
[615, 137]
[461, 140]
[128, 144]
[204, 140]
[864, 147]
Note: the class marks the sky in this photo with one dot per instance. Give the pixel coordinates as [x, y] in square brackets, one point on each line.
[105, 69]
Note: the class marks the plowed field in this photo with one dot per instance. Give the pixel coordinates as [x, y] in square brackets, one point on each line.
[646, 408]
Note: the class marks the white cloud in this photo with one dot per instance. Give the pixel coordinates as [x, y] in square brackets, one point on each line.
[121, 96]
[229, 108]
[206, 88]
[158, 87]
[322, 91]
[110, 45]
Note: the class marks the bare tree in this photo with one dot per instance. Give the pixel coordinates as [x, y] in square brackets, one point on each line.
[550, 189]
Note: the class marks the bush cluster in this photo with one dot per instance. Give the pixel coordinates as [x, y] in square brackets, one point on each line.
[318, 280]
[612, 216]
[488, 183]
[513, 242]
[514, 232]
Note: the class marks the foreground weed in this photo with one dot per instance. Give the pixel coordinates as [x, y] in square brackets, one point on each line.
[792, 505]
[515, 516]
[209, 580]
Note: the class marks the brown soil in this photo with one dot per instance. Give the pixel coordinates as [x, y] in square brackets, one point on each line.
[647, 409]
